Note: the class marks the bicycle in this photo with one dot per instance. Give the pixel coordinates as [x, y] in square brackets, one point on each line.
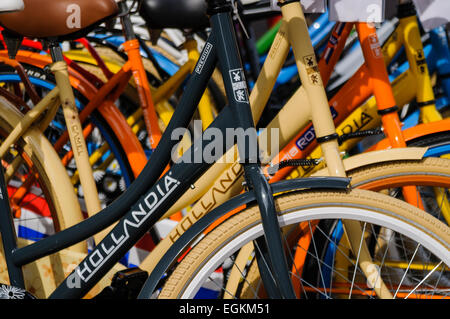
[172, 184]
[412, 178]
[41, 62]
[385, 144]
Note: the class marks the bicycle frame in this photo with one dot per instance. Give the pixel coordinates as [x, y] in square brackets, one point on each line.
[162, 93]
[173, 81]
[17, 256]
[111, 90]
[107, 95]
[288, 34]
[302, 144]
[163, 192]
[62, 94]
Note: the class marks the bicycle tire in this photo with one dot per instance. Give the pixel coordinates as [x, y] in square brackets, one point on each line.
[240, 225]
[57, 194]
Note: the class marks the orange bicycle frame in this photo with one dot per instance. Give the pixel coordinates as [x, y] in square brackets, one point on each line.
[355, 92]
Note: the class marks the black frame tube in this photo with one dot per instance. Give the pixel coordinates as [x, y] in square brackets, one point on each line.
[273, 237]
[231, 65]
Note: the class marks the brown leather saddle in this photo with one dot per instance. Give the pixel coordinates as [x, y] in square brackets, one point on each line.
[58, 19]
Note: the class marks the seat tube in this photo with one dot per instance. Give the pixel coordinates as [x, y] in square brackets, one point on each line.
[132, 47]
[60, 70]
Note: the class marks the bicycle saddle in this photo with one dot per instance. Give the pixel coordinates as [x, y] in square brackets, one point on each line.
[191, 14]
[186, 14]
[61, 19]
[11, 5]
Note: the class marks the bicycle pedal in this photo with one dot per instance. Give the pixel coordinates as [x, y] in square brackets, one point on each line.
[12, 292]
[126, 284]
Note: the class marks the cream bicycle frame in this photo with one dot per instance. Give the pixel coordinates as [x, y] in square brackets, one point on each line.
[413, 83]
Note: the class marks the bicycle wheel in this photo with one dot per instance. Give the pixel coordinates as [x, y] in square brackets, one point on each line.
[207, 261]
[112, 170]
[431, 176]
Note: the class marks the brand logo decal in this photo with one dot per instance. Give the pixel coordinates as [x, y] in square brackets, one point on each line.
[312, 69]
[305, 140]
[203, 57]
[239, 85]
